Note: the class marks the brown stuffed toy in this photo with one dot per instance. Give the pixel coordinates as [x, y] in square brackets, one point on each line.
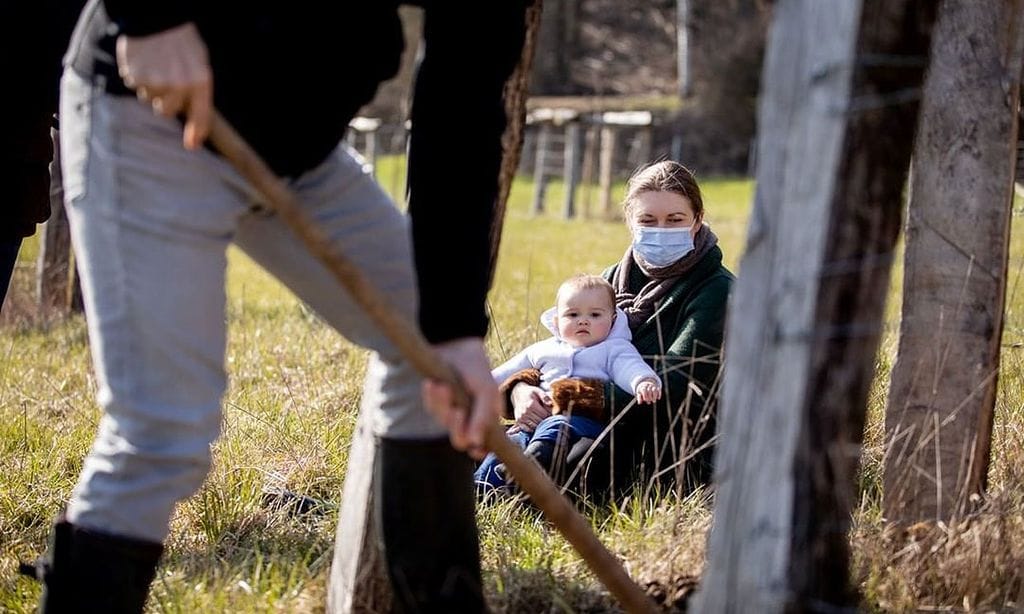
[572, 397]
[579, 397]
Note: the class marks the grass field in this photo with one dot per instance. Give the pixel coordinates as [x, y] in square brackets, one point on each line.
[290, 409]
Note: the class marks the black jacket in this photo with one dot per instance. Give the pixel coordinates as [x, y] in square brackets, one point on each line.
[30, 53]
[291, 75]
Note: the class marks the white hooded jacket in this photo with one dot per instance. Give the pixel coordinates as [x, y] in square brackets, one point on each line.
[615, 358]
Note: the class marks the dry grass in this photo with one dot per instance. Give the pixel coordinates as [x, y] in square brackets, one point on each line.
[288, 416]
[973, 564]
[976, 564]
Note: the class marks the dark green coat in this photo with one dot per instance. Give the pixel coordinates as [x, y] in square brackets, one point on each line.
[682, 341]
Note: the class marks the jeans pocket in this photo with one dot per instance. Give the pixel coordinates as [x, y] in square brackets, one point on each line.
[75, 126]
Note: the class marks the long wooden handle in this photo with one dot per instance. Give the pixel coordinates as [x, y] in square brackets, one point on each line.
[406, 336]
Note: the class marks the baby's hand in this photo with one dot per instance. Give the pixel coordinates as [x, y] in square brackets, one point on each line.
[648, 391]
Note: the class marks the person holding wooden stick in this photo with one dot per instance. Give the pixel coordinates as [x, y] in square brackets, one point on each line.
[153, 211]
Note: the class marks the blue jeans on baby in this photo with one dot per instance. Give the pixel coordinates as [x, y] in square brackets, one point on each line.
[556, 429]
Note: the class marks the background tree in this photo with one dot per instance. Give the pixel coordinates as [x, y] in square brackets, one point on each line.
[943, 391]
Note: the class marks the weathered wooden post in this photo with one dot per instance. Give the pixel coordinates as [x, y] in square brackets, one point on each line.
[607, 166]
[529, 152]
[611, 122]
[53, 267]
[358, 580]
[371, 149]
[836, 130]
[644, 145]
[587, 171]
[571, 168]
[399, 141]
[367, 127]
[540, 181]
[942, 396]
[57, 287]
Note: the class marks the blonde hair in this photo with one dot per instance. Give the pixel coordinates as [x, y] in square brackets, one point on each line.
[587, 282]
[665, 176]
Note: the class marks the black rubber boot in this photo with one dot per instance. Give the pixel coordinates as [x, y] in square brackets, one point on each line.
[425, 508]
[592, 468]
[542, 451]
[90, 571]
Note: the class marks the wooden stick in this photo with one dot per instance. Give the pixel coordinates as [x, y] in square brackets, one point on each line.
[420, 354]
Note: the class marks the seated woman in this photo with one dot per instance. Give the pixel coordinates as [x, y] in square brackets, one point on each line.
[590, 341]
[673, 288]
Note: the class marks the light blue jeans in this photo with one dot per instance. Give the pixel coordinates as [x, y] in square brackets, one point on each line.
[151, 223]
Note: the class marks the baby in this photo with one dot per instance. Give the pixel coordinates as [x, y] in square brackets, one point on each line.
[591, 341]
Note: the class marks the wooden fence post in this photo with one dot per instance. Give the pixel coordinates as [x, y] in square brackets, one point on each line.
[806, 312]
[359, 580]
[587, 170]
[367, 127]
[398, 141]
[571, 170]
[942, 396]
[57, 286]
[607, 165]
[371, 150]
[540, 182]
[644, 146]
[53, 268]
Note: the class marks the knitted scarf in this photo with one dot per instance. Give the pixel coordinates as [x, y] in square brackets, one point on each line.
[640, 307]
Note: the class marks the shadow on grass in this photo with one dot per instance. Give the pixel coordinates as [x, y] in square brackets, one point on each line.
[539, 590]
[512, 590]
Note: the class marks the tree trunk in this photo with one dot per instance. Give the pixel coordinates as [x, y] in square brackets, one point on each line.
[684, 82]
[939, 417]
[512, 141]
[836, 134]
[556, 35]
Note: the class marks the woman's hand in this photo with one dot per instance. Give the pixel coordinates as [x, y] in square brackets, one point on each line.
[530, 405]
[648, 392]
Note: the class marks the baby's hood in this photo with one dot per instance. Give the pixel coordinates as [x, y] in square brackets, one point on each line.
[620, 328]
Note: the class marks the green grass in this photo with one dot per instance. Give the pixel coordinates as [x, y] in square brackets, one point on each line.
[289, 413]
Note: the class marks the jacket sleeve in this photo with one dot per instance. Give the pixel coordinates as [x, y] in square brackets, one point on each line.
[689, 369]
[455, 151]
[30, 60]
[520, 361]
[694, 359]
[141, 18]
[627, 367]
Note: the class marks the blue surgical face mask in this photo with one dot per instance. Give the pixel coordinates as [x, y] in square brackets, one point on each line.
[661, 247]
